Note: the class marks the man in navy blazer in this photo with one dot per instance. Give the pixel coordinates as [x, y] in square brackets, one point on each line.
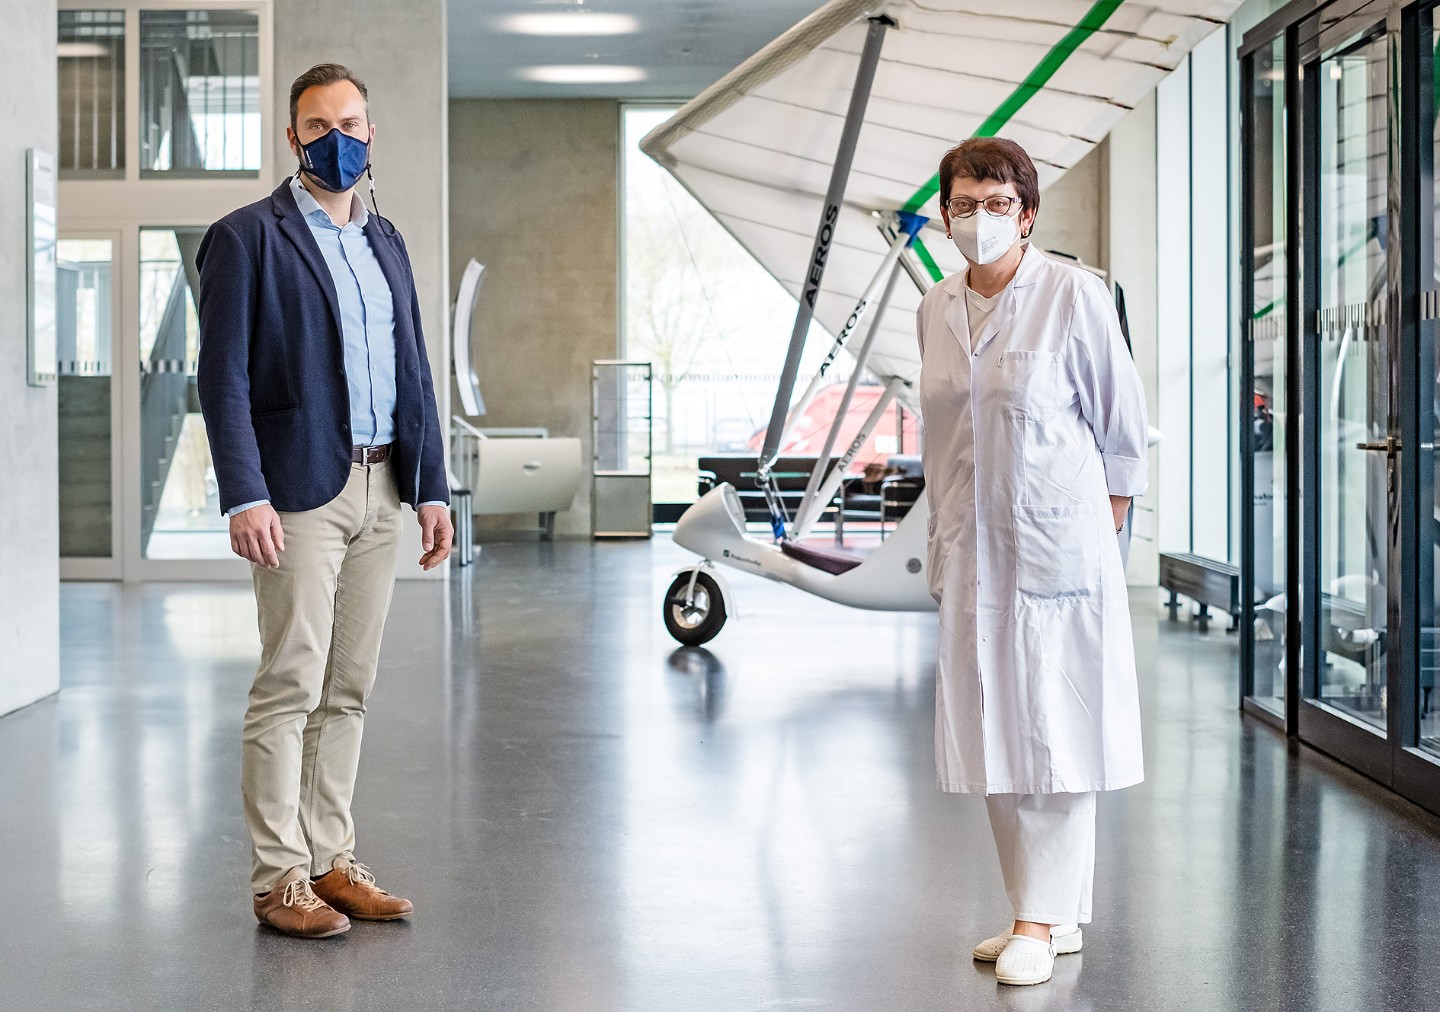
[321, 416]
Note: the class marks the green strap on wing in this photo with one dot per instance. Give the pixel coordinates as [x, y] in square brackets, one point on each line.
[1091, 23]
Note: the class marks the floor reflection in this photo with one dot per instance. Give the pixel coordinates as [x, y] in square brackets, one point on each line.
[698, 683]
[590, 818]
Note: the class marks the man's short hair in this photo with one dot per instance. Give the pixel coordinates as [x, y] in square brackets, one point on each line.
[319, 75]
[992, 158]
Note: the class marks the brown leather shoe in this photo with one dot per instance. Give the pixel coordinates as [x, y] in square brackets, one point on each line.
[293, 909]
[350, 888]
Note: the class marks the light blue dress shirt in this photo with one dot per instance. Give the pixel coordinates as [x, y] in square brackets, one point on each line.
[367, 319]
[367, 316]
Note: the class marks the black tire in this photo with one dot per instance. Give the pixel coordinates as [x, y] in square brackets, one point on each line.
[703, 620]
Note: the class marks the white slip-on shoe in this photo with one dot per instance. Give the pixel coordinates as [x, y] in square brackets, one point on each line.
[1065, 938]
[1025, 960]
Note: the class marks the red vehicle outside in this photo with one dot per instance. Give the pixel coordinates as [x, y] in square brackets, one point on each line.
[807, 435]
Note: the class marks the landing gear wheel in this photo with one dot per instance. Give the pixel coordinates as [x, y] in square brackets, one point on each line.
[699, 621]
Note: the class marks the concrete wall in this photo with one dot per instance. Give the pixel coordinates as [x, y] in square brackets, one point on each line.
[399, 50]
[1103, 211]
[534, 198]
[1071, 218]
[29, 531]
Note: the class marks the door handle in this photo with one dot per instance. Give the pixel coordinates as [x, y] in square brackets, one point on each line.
[1389, 445]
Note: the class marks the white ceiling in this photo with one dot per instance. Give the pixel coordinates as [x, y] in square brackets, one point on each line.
[682, 45]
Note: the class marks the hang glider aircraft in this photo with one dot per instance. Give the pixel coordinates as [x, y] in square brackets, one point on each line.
[818, 154]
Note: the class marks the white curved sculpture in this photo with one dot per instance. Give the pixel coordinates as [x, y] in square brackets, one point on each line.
[466, 378]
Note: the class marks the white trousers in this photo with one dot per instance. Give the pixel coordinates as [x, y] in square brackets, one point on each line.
[1046, 844]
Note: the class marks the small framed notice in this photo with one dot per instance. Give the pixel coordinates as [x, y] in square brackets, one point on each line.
[40, 231]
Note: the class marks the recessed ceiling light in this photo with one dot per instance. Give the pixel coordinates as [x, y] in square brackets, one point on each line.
[569, 23]
[583, 73]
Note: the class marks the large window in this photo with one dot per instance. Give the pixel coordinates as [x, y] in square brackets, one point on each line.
[164, 126]
[716, 327]
[91, 54]
[199, 91]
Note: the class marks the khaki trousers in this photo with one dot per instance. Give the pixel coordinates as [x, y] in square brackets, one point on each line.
[321, 616]
[1046, 844]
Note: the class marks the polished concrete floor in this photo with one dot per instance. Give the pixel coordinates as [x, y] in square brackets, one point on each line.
[589, 819]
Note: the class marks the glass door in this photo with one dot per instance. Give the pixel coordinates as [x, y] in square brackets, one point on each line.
[1352, 409]
[86, 312]
[179, 516]
[1417, 730]
[1266, 420]
[1351, 460]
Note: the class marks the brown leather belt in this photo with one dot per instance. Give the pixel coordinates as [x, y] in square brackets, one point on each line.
[370, 454]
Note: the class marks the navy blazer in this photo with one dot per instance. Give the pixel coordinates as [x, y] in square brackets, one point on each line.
[272, 364]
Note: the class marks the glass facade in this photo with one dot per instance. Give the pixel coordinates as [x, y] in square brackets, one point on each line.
[1427, 406]
[1344, 426]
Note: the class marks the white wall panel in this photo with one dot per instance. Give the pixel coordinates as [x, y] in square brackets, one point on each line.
[1130, 258]
[1171, 480]
[1210, 386]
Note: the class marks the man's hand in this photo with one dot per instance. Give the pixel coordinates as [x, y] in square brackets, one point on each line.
[436, 533]
[256, 535]
[1120, 506]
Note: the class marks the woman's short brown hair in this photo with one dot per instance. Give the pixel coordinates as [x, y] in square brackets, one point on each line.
[995, 159]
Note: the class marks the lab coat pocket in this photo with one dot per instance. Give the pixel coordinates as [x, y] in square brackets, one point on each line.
[1029, 384]
[1057, 551]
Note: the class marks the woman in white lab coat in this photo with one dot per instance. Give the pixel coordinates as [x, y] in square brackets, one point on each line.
[1035, 441]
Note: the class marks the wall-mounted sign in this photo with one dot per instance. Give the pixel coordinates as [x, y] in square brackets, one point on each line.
[40, 274]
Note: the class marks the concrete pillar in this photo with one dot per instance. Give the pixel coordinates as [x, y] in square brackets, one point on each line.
[533, 196]
[1071, 218]
[29, 531]
[399, 51]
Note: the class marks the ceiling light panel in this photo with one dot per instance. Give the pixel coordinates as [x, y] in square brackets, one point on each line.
[583, 73]
[569, 23]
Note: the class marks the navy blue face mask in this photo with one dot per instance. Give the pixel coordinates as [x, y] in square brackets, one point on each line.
[335, 161]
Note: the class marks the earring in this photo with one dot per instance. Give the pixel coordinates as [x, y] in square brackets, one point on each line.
[949, 236]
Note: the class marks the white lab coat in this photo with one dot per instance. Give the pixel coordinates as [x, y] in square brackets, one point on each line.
[1026, 437]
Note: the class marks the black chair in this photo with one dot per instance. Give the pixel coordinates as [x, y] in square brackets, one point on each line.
[791, 475]
[887, 500]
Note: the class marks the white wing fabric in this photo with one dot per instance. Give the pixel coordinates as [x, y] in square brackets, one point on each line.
[1054, 75]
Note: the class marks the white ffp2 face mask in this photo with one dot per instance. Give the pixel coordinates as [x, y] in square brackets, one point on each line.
[983, 238]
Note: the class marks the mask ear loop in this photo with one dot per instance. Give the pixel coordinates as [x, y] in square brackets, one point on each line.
[385, 225]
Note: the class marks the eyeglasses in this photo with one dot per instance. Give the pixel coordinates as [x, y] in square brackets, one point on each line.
[997, 206]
